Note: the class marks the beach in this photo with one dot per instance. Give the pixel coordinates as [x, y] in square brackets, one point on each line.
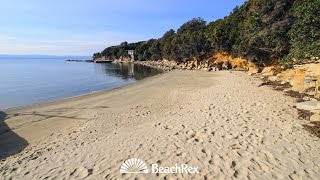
[221, 122]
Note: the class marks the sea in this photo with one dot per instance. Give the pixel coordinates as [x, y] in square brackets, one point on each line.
[28, 80]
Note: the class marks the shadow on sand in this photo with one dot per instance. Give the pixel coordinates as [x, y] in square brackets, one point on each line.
[10, 142]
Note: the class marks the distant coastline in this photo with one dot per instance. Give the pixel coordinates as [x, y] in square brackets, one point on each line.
[38, 80]
[77, 60]
[36, 56]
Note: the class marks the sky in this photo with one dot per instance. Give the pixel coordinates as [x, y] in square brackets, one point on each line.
[82, 27]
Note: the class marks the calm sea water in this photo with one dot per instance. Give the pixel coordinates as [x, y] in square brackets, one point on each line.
[26, 81]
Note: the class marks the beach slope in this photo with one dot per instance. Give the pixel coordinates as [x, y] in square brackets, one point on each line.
[221, 122]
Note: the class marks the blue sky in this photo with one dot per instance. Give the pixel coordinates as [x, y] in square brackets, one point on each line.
[82, 27]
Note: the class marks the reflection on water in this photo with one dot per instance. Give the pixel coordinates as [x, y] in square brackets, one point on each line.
[30, 81]
[128, 70]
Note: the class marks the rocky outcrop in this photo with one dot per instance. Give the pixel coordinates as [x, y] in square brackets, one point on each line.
[299, 75]
[101, 59]
[113, 59]
[271, 71]
[165, 65]
[225, 61]
[218, 61]
[122, 60]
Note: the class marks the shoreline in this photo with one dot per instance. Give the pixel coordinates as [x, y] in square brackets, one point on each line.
[206, 119]
[84, 94]
[93, 93]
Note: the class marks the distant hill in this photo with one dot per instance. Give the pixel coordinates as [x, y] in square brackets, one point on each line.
[280, 31]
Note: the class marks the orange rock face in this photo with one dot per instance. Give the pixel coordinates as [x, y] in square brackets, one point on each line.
[269, 71]
[299, 74]
[234, 63]
[296, 76]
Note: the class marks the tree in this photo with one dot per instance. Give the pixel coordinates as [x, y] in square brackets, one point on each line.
[155, 50]
[305, 33]
[166, 43]
[260, 30]
[190, 40]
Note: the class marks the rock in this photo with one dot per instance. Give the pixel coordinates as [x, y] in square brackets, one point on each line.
[269, 71]
[273, 78]
[306, 98]
[272, 70]
[253, 68]
[225, 66]
[215, 69]
[309, 105]
[315, 117]
[297, 77]
[239, 63]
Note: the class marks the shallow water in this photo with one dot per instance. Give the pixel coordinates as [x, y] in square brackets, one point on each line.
[26, 81]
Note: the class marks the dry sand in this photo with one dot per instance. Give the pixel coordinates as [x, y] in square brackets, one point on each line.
[221, 122]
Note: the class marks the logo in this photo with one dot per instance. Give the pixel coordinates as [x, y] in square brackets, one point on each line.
[134, 165]
[177, 168]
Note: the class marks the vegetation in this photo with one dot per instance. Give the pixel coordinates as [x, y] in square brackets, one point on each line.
[304, 34]
[260, 30]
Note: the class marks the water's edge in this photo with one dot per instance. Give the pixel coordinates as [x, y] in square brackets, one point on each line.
[26, 82]
[94, 93]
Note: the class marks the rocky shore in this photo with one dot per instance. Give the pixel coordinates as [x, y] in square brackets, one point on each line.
[297, 76]
[196, 64]
[218, 62]
[301, 81]
[76, 60]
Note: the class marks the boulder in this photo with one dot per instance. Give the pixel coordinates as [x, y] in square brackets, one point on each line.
[270, 71]
[315, 117]
[273, 78]
[297, 77]
[308, 105]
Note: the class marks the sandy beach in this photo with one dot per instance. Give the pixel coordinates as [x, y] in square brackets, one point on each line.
[221, 122]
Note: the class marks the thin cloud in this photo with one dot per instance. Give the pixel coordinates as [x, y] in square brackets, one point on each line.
[76, 44]
[84, 27]
[5, 38]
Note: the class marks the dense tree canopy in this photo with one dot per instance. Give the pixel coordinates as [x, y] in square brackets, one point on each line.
[260, 30]
[304, 34]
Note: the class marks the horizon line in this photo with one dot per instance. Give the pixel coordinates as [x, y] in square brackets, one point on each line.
[42, 55]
